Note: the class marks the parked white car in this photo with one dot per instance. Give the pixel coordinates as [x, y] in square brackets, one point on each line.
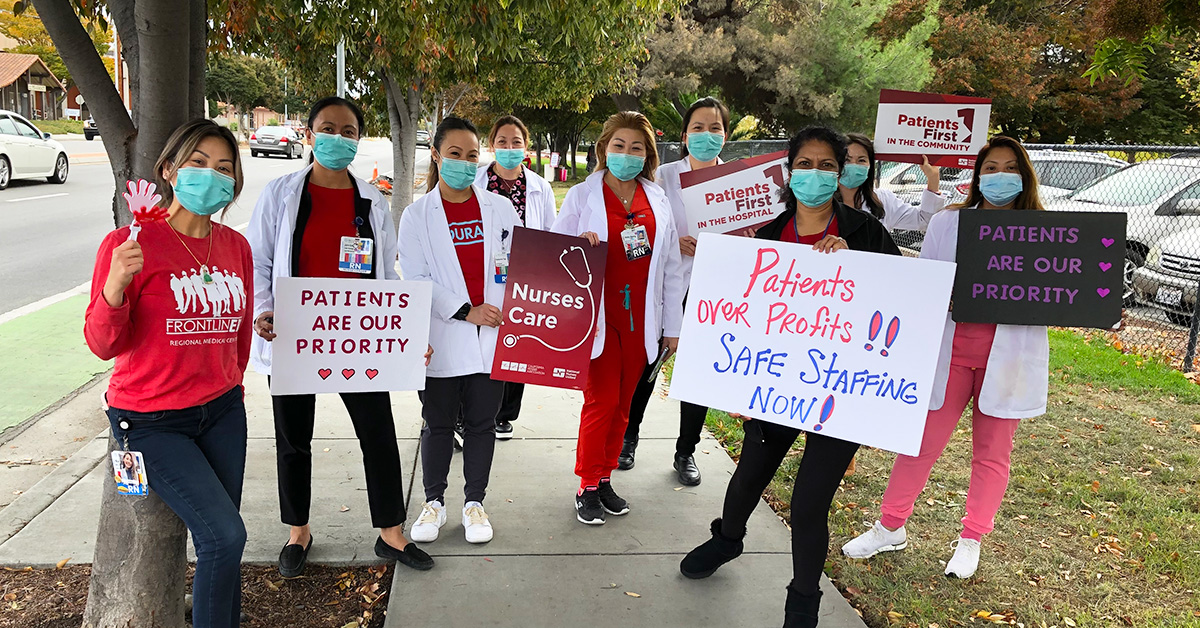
[1160, 197]
[27, 153]
[1170, 277]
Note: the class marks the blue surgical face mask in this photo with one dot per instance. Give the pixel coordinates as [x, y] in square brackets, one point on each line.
[203, 191]
[854, 175]
[1000, 188]
[705, 146]
[510, 158]
[457, 173]
[624, 166]
[334, 152]
[813, 187]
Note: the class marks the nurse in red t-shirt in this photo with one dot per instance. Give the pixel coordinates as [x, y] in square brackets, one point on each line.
[171, 308]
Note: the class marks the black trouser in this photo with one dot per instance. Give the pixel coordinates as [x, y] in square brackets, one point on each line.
[822, 466]
[691, 416]
[371, 414]
[510, 407]
[476, 398]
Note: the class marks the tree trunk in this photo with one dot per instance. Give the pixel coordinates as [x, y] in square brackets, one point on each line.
[198, 40]
[404, 115]
[138, 572]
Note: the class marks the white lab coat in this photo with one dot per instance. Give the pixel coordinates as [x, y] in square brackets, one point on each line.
[540, 211]
[584, 210]
[1017, 378]
[667, 177]
[427, 254]
[270, 234]
[900, 215]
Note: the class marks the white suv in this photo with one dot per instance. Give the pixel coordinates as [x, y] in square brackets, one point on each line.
[27, 153]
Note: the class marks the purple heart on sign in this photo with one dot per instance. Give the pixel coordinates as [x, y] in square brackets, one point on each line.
[1103, 292]
[1104, 266]
[1107, 242]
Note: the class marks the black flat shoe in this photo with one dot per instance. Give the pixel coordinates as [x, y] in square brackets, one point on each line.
[686, 469]
[293, 558]
[411, 556]
[628, 450]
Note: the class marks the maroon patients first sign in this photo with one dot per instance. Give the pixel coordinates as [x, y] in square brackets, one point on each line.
[551, 304]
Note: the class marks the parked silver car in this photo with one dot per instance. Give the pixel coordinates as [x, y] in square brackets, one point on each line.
[276, 140]
[1169, 279]
[1059, 173]
[1160, 197]
[907, 181]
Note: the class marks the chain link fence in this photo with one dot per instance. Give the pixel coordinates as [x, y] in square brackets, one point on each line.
[1157, 187]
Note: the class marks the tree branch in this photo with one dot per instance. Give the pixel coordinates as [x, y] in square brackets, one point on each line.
[126, 27]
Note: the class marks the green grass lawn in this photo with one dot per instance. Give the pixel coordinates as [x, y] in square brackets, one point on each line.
[1100, 526]
[59, 126]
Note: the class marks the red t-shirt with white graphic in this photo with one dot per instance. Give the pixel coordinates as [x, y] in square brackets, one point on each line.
[178, 342]
[466, 232]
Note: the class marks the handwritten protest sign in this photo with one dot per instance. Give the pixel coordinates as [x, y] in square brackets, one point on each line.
[844, 344]
[1022, 267]
[949, 129]
[551, 304]
[349, 335]
[734, 196]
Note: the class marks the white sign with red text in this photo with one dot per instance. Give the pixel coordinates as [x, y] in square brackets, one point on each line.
[950, 130]
[842, 344]
[349, 335]
[734, 196]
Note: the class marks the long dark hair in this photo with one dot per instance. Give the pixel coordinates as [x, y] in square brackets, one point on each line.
[866, 192]
[707, 102]
[823, 134]
[452, 123]
[333, 101]
[1028, 198]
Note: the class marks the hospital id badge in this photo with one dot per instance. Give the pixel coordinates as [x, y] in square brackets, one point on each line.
[129, 470]
[637, 243]
[501, 267]
[356, 255]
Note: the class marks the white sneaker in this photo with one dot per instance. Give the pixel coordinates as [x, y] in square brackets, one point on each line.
[433, 517]
[965, 560]
[475, 521]
[877, 539]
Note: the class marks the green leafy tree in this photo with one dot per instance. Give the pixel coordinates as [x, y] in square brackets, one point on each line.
[31, 37]
[1136, 30]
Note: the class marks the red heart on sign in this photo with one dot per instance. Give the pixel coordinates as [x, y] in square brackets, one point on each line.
[371, 373]
[324, 373]
[347, 373]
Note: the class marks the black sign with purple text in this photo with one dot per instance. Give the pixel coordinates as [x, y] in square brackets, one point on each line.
[1024, 267]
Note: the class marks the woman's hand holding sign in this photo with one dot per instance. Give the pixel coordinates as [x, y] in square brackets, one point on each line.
[591, 237]
[687, 246]
[264, 326]
[485, 315]
[829, 244]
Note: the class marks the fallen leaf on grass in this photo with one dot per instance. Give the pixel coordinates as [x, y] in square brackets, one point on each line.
[1068, 621]
[62, 563]
[1095, 486]
[274, 586]
[632, 594]
[10, 597]
[1196, 427]
[331, 603]
[853, 591]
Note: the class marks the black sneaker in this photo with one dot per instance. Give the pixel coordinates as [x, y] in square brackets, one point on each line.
[504, 430]
[610, 501]
[588, 508]
[293, 558]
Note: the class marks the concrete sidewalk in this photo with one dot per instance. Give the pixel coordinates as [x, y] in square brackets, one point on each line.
[542, 569]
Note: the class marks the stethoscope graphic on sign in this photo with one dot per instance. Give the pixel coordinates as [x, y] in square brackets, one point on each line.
[511, 339]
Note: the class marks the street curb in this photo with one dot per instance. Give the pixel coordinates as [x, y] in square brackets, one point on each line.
[16, 430]
[40, 496]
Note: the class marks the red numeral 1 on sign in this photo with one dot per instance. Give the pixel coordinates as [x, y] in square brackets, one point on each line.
[775, 173]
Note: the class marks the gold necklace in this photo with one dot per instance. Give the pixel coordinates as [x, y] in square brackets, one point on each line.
[205, 276]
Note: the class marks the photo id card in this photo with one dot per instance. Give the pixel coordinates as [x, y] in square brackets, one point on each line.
[356, 255]
[130, 473]
[636, 241]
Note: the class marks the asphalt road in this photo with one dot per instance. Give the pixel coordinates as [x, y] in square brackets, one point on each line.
[49, 233]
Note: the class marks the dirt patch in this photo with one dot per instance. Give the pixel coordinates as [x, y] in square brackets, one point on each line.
[325, 597]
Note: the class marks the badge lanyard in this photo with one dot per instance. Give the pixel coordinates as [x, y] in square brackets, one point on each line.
[796, 227]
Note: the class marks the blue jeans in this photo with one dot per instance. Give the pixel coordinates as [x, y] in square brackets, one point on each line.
[196, 459]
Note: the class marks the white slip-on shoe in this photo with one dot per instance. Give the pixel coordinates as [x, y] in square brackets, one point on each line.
[965, 560]
[476, 523]
[433, 517]
[877, 539]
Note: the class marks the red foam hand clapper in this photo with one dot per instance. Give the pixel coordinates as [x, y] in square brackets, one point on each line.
[143, 204]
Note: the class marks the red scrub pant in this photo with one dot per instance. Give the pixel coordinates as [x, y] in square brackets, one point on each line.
[612, 379]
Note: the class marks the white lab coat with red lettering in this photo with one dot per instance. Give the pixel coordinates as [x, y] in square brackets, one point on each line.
[584, 210]
[1016, 381]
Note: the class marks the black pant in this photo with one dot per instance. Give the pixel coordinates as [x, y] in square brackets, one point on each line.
[691, 416]
[476, 398]
[510, 407]
[371, 414]
[822, 466]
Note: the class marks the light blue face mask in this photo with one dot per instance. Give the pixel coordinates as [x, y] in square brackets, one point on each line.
[854, 175]
[510, 158]
[1000, 188]
[813, 187]
[203, 191]
[624, 166]
[457, 173]
[334, 152]
[705, 146]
